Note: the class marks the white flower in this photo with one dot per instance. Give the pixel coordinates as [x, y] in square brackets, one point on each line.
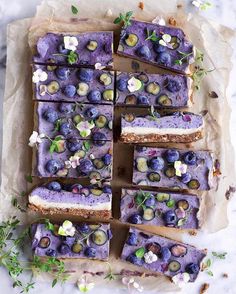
[91, 156]
[35, 139]
[73, 162]
[84, 284]
[70, 43]
[181, 279]
[39, 76]
[159, 20]
[203, 5]
[180, 168]
[109, 13]
[134, 84]
[197, 3]
[165, 41]
[150, 257]
[67, 229]
[99, 66]
[84, 127]
[180, 213]
[131, 283]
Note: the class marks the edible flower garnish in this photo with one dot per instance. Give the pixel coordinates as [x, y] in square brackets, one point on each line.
[35, 139]
[202, 5]
[159, 20]
[73, 162]
[181, 279]
[180, 212]
[67, 229]
[84, 128]
[39, 76]
[150, 257]
[99, 66]
[85, 284]
[134, 84]
[131, 284]
[70, 43]
[180, 168]
[165, 41]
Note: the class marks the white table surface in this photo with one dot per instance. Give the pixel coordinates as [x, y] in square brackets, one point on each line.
[224, 12]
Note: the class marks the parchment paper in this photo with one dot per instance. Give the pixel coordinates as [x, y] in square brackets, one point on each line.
[54, 15]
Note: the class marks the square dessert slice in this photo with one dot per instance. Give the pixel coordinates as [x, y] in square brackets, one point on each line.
[163, 46]
[162, 255]
[80, 240]
[177, 127]
[74, 120]
[173, 168]
[170, 209]
[83, 85]
[73, 158]
[75, 199]
[160, 90]
[89, 49]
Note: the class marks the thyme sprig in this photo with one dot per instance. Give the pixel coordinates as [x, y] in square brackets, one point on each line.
[151, 36]
[110, 276]
[124, 19]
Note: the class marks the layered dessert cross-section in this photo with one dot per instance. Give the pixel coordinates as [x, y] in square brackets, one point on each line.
[159, 90]
[171, 258]
[67, 241]
[173, 168]
[178, 127]
[86, 202]
[153, 208]
[159, 45]
[84, 49]
[83, 85]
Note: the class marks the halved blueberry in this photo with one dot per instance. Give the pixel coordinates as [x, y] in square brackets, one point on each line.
[174, 266]
[77, 247]
[178, 250]
[148, 214]
[44, 242]
[131, 40]
[154, 247]
[99, 237]
[131, 99]
[154, 177]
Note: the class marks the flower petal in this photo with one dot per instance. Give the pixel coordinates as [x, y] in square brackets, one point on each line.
[162, 42]
[166, 38]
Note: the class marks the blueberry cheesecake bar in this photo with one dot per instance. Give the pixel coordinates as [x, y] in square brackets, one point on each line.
[178, 261]
[162, 46]
[177, 127]
[83, 85]
[73, 120]
[170, 209]
[173, 168]
[86, 202]
[159, 90]
[69, 240]
[84, 49]
[73, 158]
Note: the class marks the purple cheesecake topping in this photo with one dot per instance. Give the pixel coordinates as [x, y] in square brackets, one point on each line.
[82, 49]
[162, 255]
[169, 48]
[172, 168]
[88, 241]
[83, 85]
[160, 90]
[159, 208]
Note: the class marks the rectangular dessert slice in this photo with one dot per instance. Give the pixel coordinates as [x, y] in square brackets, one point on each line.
[162, 46]
[80, 240]
[159, 90]
[89, 49]
[73, 120]
[75, 199]
[83, 85]
[162, 255]
[73, 158]
[178, 127]
[172, 168]
[170, 209]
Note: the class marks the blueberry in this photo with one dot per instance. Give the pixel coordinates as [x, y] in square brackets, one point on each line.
[62, 73]
[172, 155]
[132, 239]
[69, 91]
[165, 254]
[169, 217]
[150, 201]
[144, 52]
[51, 252]
[164, 58]
[66, 108]
[90, 252]
[50, 115]
[107, 189]
[64, 248]
[156, 163]
[53, 166]
[173, 86]
[54, 186]
[65, 129]
[107, 159]
[185, 178]
[76, 188]
[135, 219]
[135, 260]
[122, 85]
[62, 49]
[85, 74]
[190, 158]
[143, 100]
[85, 166]
[73, 145]
[67, 187]
[83, 228]
[91, 112]
[94, 96]
[99, 139]
[192, 268]
[158, 48]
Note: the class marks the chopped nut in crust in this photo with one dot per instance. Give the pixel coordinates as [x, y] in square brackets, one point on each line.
[204, 288]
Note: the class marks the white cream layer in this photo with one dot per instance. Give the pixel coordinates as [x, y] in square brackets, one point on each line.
[38, 201]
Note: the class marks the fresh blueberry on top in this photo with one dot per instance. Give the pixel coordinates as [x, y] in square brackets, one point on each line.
[143, 100]
[85, 74]
[53, 166]
[122, 84]
[65, 129]
[64, 248]
[172, 155]
[91, 112]
[83, 228]
[90, 252]
[54, 186]
[192, 268]
[62, 49]
[164, 58]
[150, 201]
[132, 239]
[185, 178]
[169, 217]
[69, 91]
[99, 139]
[135, 260]
[94, 96]
[107, 189]
[62, 73]
[85, 166]
[50, 115]
[173, 86]
[73, 145]
[158, 48]
[165, 254]
[107, 159]
[66, 108]
[156, 163]
[144, 52]
[51, 252]
[135, 219]
[190, 158]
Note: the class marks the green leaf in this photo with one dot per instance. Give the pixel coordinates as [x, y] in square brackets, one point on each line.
[74, 9]
[210, 273]
[219, 255]
[54, 282]
[117, 20]
[170, 203]
[86, 145]
[48, 225]
[125, 18]
[208, 262]
[138, 198]
[52, 147]
[129, 14]
[140, 252]
[29, 178]
[72, 57]
[57, 125]
[181, 222]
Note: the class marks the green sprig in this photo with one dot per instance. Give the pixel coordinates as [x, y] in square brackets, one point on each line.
[219, 255]
[74, 9]
[110, 276]
[124, 19]
[151, 36]
[184, 57]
